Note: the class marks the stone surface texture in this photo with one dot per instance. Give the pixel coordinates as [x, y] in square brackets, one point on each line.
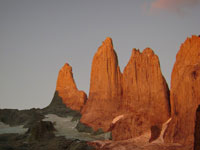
[184, 93]
[67, 90]
[105, 88]
[140, 94]
[145, 99]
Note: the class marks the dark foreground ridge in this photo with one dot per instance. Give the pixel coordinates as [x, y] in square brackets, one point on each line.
[40, 137]
[15, 117]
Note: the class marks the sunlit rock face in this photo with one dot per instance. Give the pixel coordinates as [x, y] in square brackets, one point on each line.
[67, 90]
[145, 99]
[185, 92]
[127, 104]
[105, 88]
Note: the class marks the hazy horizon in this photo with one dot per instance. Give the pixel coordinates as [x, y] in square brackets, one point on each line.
[38, 37]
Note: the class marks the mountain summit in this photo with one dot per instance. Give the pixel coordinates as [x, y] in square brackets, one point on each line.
[67, 90]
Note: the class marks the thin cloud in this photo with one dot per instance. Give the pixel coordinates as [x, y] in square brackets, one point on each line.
[177, 6]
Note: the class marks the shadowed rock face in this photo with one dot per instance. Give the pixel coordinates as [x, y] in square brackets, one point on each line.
[155, 133]
[67, 89]
[184, 94]
[28, 117]
[41, 130]
[197, 130]
[59, 108]
[145, 96]
[105, 88]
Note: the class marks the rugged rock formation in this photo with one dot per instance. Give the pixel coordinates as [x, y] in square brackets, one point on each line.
[27, 118]
[197, 130]
[184, 94]
[135, 145]
[58, 108]
[145, 96]
[67, 89]
[41, 130]
[144, 87]
[130, 126]
[105, 88]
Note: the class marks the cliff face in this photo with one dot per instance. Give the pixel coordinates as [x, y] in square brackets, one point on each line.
[145, 99]
[67, 89]
[185, 94]
[197, 130]
[105, 88]
[127, 104]
[144, 87]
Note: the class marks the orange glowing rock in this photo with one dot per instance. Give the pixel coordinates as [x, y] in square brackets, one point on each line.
[105, 88]
[67, 90]
[145, 99]
[184, 93]
[141, 92]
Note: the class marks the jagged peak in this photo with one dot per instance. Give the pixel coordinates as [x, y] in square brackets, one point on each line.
[67, 90]
[189, 52]
[106, 49]
[108, 41]
[191, 40]
[135, 52]
[65, 78]
[66, 67]
[148, 51]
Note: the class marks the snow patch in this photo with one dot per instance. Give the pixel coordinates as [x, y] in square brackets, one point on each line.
[5, 128]
[66, 127]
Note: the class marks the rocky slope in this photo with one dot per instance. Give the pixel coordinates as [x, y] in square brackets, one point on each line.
[105, 88]
[184, 94]
[67, 90]
[41, 133]
[140, 143]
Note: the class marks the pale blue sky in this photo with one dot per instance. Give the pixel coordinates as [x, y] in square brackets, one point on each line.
[38, 36]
